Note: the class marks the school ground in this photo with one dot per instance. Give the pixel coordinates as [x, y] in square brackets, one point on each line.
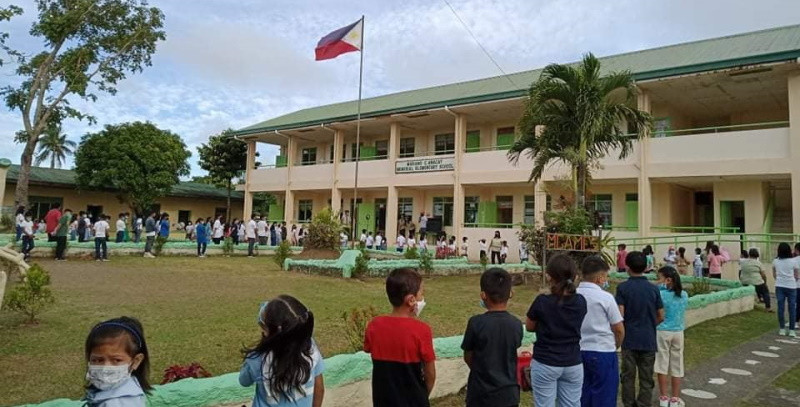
[203, 310]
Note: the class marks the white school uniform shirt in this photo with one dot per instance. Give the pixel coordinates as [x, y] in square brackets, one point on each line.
[484, 246]
[378, 240]
[363, 237]
[20, 219]
[504, 250]
[523, 250]
[601, 312]
[218, 229]
[464, 249]
[411, 242]
[101, 228]
[27, 227]
[120, 225]
[370, 241]
[189, 229]
[401, 241]
[250, 230]
[423, 245]
[261, 228]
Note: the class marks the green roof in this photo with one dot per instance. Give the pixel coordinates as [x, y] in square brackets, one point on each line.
[766, 46]
[66, 178]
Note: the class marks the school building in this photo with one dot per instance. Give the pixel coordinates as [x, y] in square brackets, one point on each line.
[724, 154]
[47, 186]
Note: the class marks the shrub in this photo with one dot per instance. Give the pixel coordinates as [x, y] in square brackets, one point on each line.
[31, 296]
[411, 253]
[426, 262]
[573, 221]
[699, 286]
[362, 264]
[227, 246]
[178, 372]
[6, 223]
[534, 238]
[323, 231]
[355, 325]
[283, 252]
[159, 245]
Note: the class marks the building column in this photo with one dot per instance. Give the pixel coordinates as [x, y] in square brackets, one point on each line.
[539, 203]
[644, 193]
[288, 207]
[251, 166]
[458, 189]
[336, 194]
[391, 214]
[394, 142]
[794, 148]
[336, 200]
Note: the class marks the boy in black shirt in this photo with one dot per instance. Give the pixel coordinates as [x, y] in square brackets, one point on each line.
[490, 345]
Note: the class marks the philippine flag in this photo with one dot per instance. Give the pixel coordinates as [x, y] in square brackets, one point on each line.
[343, 40]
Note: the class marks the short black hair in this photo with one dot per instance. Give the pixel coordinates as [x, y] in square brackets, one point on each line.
[636, 261]
[400, 283]
[784, 251]
[753, 253]
[592, 265]
[496, 283]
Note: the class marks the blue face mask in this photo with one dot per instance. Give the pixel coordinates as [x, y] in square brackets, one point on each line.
[663, 286]
[606, 285]
[482, 304]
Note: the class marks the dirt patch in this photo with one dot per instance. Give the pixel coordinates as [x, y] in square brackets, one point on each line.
[317, 254]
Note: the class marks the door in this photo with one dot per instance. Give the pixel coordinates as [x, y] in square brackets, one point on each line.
[731, 215]
[632, 211]
[380, 214]
[366, 217]
[94, 212]
[275, 213]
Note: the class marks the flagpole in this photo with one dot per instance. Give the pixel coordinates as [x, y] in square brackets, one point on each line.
[354, 220]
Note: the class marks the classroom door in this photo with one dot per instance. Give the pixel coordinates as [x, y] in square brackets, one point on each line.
[632, 211]
[366, 217]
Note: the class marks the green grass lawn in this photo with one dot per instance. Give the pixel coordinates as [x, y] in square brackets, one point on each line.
[194, 310]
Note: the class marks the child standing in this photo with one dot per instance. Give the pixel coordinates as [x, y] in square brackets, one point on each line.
[27, 236]
[681, 262]
[201, 230]
[464, 247]
[669, 359]
[671, 259]
[378, 241]
[101, 228]
[556, 368]
[285, 365]
[753, 274]
[490, 345]
[621, 254]
[403, 369]
[401, 242]
[642, 309]
[503, 252]
[370, 241]
[785, 271]
[484, 247]
[119, 364]
[715, 261]
[697, 264]
[523, 252]
[601, 334]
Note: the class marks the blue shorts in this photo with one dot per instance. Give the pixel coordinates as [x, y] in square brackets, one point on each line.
[600, 379]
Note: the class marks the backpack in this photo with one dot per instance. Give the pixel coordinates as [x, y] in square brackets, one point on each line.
[524, 371]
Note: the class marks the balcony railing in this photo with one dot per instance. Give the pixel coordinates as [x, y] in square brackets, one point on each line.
[486, 148]
[315, 162]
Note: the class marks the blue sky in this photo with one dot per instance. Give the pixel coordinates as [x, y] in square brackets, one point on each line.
[232, 63]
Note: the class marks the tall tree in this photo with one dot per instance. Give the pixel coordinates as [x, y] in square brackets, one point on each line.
[5, 14]
[54, 146]
[89, 46]
[138, 160]
[576, 115]
[225, 158]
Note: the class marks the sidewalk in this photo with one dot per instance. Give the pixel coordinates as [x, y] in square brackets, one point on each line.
[744, 374]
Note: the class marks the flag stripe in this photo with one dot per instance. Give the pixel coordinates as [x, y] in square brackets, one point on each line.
[333, 50]
[336, 35]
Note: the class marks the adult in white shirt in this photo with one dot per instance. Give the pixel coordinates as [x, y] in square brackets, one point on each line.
[250, 234]
[219, 230]
[602, 332]
[785, 271]
[101, 228]
[423, 225]
[378, 241]
[120, 228]
[401, 242]
[261, 230]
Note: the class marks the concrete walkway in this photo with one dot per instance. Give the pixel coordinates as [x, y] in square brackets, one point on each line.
[744, 374]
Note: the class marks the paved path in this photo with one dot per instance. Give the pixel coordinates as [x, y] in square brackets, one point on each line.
[745, 373]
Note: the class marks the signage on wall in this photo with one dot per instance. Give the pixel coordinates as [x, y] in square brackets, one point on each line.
[425, 165]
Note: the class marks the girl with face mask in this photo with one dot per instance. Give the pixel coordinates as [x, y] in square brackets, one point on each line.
[118, 364]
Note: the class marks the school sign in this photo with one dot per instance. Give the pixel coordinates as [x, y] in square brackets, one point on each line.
[425, 165]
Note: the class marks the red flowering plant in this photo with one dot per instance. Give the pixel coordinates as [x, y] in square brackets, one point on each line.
[178, 372]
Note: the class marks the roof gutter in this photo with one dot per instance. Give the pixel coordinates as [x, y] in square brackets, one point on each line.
[448, 110]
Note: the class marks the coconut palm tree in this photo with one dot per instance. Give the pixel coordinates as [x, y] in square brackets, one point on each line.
[54, 146]
[581, 116]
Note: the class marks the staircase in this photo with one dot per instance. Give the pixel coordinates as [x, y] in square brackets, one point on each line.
[781, 221]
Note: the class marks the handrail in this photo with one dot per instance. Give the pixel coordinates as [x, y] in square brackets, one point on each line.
[316, 162]
[490, 225]
[716, 129]
[486, 148]
[702, 229]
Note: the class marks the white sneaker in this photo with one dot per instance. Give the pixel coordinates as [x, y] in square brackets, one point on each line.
[676, 402]
[663, 402]
[783, 332]
[792, 334]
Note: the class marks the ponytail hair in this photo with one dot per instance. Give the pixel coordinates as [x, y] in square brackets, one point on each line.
[288, 327]
[672, 274]
[563, 272]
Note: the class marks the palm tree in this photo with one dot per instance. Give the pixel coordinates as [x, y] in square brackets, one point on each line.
[54, 146]
[580, 115]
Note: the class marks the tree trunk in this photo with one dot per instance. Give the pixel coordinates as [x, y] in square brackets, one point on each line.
[580, 194]
[52, 161]
[21, 192]
[228, 209]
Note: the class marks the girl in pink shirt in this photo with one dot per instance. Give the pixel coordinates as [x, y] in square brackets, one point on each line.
[715, 262]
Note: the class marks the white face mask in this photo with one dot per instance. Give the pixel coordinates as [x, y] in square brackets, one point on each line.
[419, 306]
[107, 377]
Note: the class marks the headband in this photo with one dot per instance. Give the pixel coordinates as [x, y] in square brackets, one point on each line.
[135, 334]
[261, 309]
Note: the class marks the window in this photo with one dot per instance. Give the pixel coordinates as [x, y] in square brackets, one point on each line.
[407, 147]
[471, 209]
[39, 205]
[505, 137]
[405, 207]
[220, 211]
[344, 152]
[184, 216]
[505, 209]
[529, 217]
[473, 141]
[309, 156]
[548, 203]
[445, 144]
[381, 149]
[662, 126]
[601, 206]
[304, 210]
[354, 150]
[443, 208]
[330, 153]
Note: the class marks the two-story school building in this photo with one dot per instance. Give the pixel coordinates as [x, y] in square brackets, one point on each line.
[724, 153]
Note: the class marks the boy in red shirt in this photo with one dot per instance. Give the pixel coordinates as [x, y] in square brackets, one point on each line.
[403, 368]
[621, 254]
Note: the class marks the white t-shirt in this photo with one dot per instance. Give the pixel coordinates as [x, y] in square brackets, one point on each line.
[189, 229]
[411, 242]
[20, 219]
[378, 240]
[27, 226]
[601, 312]
[370, 241]
[401, 241]
[261, 228]
[218, 229]
[101, 228]
[464, 249]
[423, 245]
[138, 224]
[504, 250]
[484, 246]
[784, 273]
[363, 237]
[250, 230]
[120, 225]
[423, 222]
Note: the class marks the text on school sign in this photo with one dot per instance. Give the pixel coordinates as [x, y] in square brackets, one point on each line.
[425, 165]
